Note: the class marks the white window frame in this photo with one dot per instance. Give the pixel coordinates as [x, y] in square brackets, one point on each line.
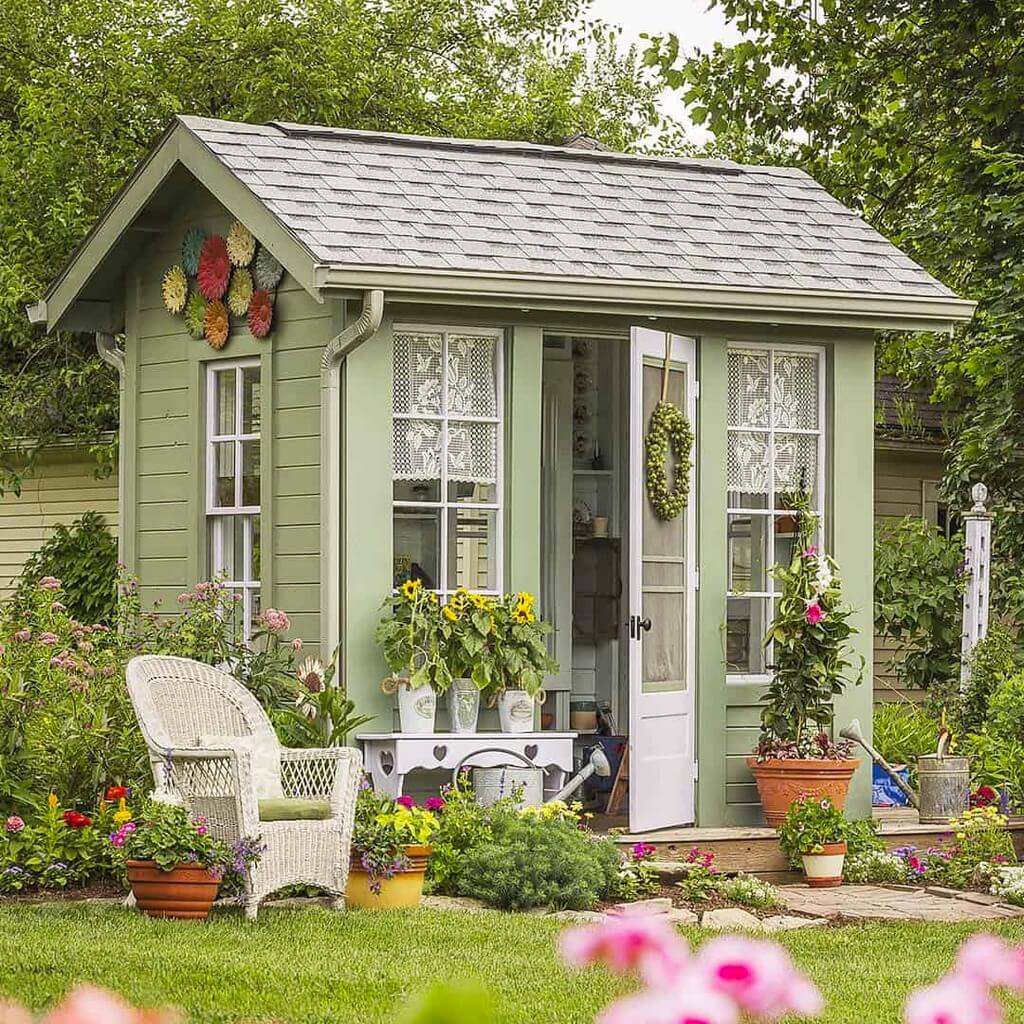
[217, 516]
[444, 589]
[770, 513]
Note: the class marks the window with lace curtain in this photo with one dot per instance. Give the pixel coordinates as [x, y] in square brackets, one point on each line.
[447, 447]
[775, 448]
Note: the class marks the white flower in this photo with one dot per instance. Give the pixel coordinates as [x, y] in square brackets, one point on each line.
[161, 795]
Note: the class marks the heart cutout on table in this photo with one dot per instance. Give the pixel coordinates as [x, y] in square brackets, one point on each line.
[387, 762]
[440, 751]
[530, 750]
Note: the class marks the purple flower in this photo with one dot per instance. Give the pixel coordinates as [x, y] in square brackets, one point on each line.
[641, 851]
[434, 803]
[406, 801]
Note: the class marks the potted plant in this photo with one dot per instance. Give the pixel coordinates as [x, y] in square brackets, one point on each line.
[174, 866]
[390, 849]
[814, 833]
[810, 660]
[409, 640]
[466, 623]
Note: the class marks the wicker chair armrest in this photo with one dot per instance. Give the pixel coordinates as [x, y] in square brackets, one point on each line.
[206, 776]
[330, 773]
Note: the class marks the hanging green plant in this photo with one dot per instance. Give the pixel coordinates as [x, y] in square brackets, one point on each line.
[191, 249]
[195, 315]
[668, 432]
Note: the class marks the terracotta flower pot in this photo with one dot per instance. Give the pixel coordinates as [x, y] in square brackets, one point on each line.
[405, 889]
[186, 891]
[825, 869]
[780, 781]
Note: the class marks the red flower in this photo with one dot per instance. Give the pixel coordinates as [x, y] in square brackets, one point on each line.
[261, 313]
[214, 268]
[114, 793]
[984, 796]
[75, 819]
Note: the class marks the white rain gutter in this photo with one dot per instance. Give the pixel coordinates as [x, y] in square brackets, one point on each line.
[108, 350]
[336, 351]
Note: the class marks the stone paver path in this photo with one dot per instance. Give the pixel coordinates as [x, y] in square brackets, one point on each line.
[895, 903]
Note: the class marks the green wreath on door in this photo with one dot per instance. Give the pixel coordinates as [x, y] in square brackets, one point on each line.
[669, 435]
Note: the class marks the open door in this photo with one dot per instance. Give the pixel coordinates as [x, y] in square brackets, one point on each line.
[661, 625]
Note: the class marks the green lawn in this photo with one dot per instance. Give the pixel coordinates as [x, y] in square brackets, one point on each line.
[315, 965]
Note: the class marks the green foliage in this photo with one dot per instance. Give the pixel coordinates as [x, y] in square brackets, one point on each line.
[1006, 708]
[637, 877]
[874, 867]
[810, 824]
[450, 1004]
[74, 127]
[919, 586]
[383, 827]
[902, 732]
[907, 114]
[981, 837]
[748, 891]
[995, 761]
[809, 638]
[537, 862]
[83, 556]
[409, 637]
[993, 660]
[465, 824]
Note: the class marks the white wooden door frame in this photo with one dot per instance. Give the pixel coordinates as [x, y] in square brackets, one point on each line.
[662, 787]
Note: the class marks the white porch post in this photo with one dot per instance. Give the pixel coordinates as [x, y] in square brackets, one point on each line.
[977, 550]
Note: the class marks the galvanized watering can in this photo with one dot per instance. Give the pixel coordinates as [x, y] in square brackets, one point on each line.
[944, 780]
[494, 784]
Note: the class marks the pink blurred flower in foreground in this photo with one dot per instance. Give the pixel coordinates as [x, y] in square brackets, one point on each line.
[990, 962]
[759, 976]
[953, 1000]
[647, 944]
[689, 1001]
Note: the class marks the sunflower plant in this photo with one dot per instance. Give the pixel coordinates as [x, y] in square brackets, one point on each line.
[409, 636]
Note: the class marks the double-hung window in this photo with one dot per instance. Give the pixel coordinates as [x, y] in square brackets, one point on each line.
[233, 482]
[447, 447]
[776, 417]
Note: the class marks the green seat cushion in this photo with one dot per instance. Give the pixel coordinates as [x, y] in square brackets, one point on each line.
[283, 809]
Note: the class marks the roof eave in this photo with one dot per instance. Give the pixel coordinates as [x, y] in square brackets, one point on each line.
[532, 292]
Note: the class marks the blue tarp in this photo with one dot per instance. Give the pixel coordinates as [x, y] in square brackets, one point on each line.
[885, 792]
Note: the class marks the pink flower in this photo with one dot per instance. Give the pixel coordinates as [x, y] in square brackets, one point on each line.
[810, 552]
[641, 851]
[275, 621]
[689, 1001]
[990, 962]
[647, 944]
[48, 639]
[406, 801]
[953, 1000]
[14, 824]
[88, 1005]
[22, 635]
[434, 804]
[297, 644]
[814, 613]
[117, 839]
[184, 598]
[201, 830]
[758, 976]
[49, 583]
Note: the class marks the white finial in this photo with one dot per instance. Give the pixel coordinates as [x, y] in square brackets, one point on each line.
[979, 492]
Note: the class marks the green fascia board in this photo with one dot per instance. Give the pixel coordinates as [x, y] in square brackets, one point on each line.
[60, 308]
[708, 302]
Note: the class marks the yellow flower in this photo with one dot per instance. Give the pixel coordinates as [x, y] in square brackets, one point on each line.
[122, 814]
[450, 614]
[410, 588]
[52, 801]
[961, 835]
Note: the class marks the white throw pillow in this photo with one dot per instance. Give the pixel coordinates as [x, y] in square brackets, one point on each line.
[264, 755]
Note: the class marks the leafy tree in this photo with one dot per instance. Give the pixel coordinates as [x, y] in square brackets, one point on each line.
[86, 87]
[911, 113]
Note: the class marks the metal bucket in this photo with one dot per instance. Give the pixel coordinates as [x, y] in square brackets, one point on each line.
[944, 787]
[494, 784]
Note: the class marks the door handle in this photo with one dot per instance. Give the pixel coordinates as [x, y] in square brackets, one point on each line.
[636, 624]
[644, 624]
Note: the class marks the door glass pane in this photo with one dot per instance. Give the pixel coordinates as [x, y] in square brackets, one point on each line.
[417, 546]
[250, 473]
[748, 548]
[664, 644]
[746, 621]
[472, 549]
[660, 537]
[224, 399]
[251, 400]
[224, 474]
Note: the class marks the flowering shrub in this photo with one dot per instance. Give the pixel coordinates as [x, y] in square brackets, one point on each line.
[980, 836]
[749, 891]
[809, 642]
[383, 827]
[1005, 882]
[875, 867]
[810, 825]
[56, 848]
[637, 877]
[702, 879]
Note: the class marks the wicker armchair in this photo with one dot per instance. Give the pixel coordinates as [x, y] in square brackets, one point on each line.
[176, 701]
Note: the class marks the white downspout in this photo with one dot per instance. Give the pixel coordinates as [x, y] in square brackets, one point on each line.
[108, 351]
[335, 352]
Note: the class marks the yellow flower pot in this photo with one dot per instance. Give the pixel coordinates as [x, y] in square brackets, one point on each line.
[404, 890]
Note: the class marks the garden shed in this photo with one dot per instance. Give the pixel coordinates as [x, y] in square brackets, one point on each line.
[440, 362]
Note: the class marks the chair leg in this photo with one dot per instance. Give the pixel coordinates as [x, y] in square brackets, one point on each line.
[251, 906]
[129, 902]
[338, 902]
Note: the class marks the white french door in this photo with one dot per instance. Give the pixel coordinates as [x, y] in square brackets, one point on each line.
[662, 603]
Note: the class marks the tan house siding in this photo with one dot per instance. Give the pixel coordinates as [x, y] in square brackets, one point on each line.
[902, 477]
[61, 489]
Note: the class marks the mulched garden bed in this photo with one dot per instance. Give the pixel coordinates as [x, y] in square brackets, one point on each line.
[105, 890]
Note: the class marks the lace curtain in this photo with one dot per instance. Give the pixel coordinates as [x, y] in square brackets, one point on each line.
[438, 378]
[772, 397]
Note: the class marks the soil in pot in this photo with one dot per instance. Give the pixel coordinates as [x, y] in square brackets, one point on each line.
[185, 892]
[824, 870]
[405, 889]
[780, 781]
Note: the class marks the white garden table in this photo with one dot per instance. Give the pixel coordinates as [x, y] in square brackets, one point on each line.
[390, 756]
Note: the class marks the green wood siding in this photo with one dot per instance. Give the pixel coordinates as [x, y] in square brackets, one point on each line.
[165, 433]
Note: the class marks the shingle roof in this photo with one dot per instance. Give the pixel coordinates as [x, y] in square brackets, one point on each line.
[907, 411]
[358, 199]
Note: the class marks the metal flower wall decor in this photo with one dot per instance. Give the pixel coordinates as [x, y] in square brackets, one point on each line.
[222, 281]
